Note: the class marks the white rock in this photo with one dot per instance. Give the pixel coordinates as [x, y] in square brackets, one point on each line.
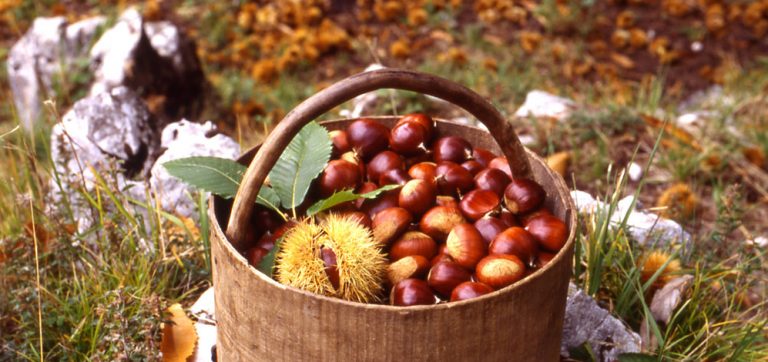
[112, 134]
[45, 52]
[205, 311]
[542, 104]
[760, 241]
[646, 228]
[635, 171]
[186, 139]
[153, 58]
[586, 322]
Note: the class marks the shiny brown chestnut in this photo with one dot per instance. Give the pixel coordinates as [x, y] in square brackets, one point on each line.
[492, 179]
[453, 179]
[544, 258]
[465, 245]
[365, 188]
[483, 156]
[361, 218]
[438, 221]
[417, 196]
[367, 137]
[447, 201]
[383, 162]
[386, 200]
[255, 255]
[340, 143]
[389, 224]
[499, 270]
[509, 218]
[549, 231]
[331, 265]
[489, 227]
[411, 292]
[408, 138]
[413, 243]
[445, 276]
[469, 290]
[421, 119]
[528, 216]
[338, 175]
[523, 195]
[395, 176]
[502, 164]
[478, 203]
[472, 166]
[440, 257]
[515, 241]
[411, 266]
[451, 148]
[426, 171]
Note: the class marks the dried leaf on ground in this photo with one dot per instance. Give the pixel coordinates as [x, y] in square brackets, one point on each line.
[179, 336]
[558, 162]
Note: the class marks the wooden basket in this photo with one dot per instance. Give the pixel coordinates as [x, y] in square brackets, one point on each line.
[259, 319]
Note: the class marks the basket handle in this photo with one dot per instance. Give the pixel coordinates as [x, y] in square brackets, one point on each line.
[346, 89]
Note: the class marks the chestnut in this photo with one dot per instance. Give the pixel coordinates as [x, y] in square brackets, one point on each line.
[549, 231]
[465, 245]
[411, 292]
[492, 179]
[440, 257]
[483, 156]
[389, 223]
[515, 241]
[386, 200]
[361, 218]
[411, 266]
[523, 195]
[469, 290]
[338, 175]
[408, 138]
[417, 196]
[528, 216]
[499, 270]
[340, 143]
[451, 148]
[383, 162]
[421, 119]
[445, 276]
[452, 178]
[367, 137]
[255, 255]
[502, 164]
[544, 258]
[395, 176]
[426, 171]
[508, 218]
[413, 243]
[472, 166]
[489, 227]
[365, 188]
[331, 266]
[438, 221]
[478, 203]
[448, 201]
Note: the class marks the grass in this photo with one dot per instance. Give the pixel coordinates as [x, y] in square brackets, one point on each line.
[99, 294]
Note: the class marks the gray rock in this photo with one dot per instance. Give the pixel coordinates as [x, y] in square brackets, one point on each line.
[539, 103]
[112, 134]
[35, 63]
[587, 322]
[154, 58]
[669, 297]
[186, 139]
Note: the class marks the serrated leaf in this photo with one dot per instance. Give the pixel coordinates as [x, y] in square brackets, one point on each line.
[345, 196]
[219, 176]
[267, 264]
[301, 162]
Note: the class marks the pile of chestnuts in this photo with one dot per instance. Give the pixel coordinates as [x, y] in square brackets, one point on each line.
[460, 226]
